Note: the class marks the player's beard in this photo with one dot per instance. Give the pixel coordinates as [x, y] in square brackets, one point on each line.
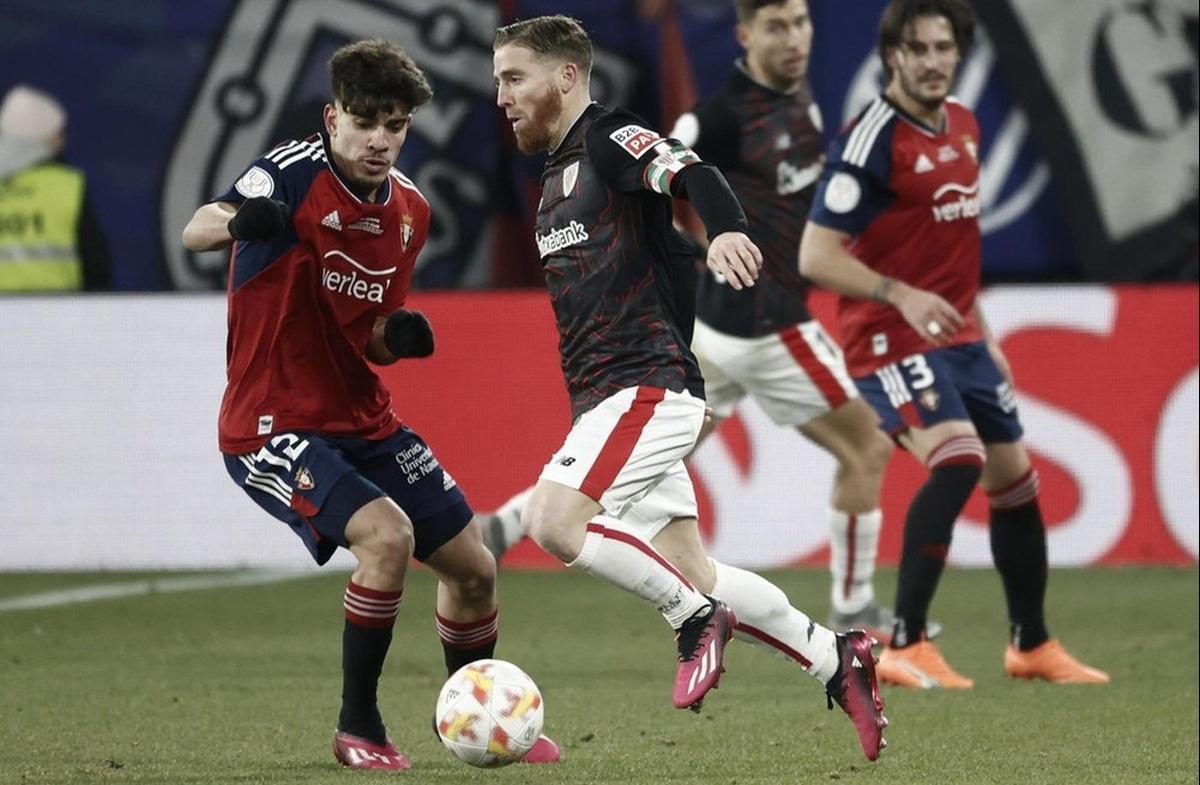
[912, 88]
[535, 135]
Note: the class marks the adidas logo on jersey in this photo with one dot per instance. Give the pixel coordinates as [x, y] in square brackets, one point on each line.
[332, 221]
[923, 165]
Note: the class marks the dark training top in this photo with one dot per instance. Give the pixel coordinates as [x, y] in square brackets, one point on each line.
[618, 273]
[768, 145]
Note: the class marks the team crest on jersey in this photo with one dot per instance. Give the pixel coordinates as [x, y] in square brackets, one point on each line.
[304, 479]
[406, 230]
[570, 175]
[929, 398]
[635, 139]
[972, 148]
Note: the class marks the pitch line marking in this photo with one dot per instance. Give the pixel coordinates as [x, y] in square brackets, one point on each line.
[109, 591]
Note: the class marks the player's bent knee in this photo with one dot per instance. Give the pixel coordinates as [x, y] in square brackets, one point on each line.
[474, 587]
[391, 545]
[550, 537]
[878, 452]
[869, 455]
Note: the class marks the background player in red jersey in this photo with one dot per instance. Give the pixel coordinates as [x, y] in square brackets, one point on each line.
[615, 500]
[895, 229]
[324, 235]
[764, 132]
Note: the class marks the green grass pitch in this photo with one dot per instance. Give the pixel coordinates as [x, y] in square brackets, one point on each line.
[241, 685]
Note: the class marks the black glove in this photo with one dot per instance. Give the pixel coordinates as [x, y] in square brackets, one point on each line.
[260, 218]
[408, 334]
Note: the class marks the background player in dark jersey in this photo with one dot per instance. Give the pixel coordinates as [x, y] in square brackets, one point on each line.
[763, 130]
[616, 500]
[895, 229]
[324, 235]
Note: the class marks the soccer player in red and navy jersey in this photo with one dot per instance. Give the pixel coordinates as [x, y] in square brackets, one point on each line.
[324, 235]
[895, 229]
[616, 501]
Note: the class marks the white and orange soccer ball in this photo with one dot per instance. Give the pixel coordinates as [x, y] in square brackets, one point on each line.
[489, 713]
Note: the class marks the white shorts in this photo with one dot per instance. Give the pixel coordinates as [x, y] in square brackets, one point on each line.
[794, 375]
[629, 449]
[673, 497]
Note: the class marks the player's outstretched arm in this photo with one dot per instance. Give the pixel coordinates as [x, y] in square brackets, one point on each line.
[208, 228]
[217, 224]
[731, 253]
[825, 260]
[403, 334]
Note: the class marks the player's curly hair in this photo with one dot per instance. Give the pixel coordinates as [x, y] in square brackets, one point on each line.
[899, 14]
[557, 36]
[373, 75]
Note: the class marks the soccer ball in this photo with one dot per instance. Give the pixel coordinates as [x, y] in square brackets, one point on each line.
[489, 713]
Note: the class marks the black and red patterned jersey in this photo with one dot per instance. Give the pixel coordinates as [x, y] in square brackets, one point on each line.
[768, 145]
[302, 305]
[908, 195]
[616, 269]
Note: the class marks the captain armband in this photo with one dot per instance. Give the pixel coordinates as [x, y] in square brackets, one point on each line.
[671, 159]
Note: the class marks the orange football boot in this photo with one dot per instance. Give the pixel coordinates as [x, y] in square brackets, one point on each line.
[1050, 661]
[921, 666]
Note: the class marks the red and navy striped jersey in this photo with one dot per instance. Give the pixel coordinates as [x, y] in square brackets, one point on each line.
[909, 197]
[302, 306]
[620, 280]
[768, 145]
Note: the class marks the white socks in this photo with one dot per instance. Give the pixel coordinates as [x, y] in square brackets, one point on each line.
[508, 531]
[624, 559]
[853, 545]
[767, 620]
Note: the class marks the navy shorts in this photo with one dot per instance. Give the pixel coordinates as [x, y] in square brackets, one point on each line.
[954, 383]
[314, 483]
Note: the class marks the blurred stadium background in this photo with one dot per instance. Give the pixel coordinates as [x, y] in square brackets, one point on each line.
[1089, 115]
[108, 453]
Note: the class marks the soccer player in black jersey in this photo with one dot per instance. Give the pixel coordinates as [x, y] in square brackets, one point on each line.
[616, 500]
[763, 130]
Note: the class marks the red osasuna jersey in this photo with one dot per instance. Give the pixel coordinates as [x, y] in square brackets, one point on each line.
[302, 306]
[909, 198]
